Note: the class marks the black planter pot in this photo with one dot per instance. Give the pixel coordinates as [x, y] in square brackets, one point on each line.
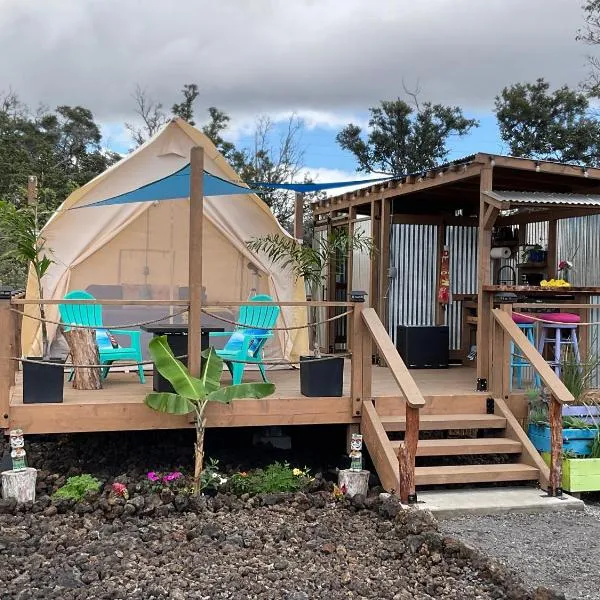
[319, 377]
[43, 383]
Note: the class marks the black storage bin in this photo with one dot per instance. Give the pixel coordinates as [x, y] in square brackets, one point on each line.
[423, 347]
[43, 383]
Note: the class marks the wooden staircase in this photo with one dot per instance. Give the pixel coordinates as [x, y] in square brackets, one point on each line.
[460, 442]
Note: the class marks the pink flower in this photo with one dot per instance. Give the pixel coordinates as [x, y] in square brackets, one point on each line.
[172, 476]
[152, 476]
[119, 489]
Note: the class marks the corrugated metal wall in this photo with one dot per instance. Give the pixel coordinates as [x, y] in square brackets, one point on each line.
[412, 291]
[413, 252]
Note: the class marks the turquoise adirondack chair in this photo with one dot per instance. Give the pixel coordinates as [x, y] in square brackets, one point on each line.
[90, 315]
[247, 342]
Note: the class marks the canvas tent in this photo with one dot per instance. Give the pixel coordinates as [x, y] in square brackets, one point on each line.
[140, 250]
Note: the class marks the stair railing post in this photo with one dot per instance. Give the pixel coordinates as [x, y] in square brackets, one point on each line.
[556, 445]
[407, 456]
[358, 330]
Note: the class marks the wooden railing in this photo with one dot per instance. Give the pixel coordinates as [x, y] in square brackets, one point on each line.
[504, 331]
[368, 329]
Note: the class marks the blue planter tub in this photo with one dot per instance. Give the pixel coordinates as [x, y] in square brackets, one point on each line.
[577, 441]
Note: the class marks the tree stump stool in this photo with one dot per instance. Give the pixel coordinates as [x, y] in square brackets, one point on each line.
[353, 482]
[19, 485]
[84, 351]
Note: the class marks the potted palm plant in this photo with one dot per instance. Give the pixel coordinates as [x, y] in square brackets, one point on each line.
[43, 378]
[319, 376]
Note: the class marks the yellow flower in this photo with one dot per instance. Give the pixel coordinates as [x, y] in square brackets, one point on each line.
[298, 472]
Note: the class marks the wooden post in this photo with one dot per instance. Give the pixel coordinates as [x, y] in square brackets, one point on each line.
[406, 456]
[7, 365]
[552, 259]
[299, 216]
[555, 414]
[485, 246]
[350, 279]
[357, 362]
[84, 351]
[195, 259]
[505, 382]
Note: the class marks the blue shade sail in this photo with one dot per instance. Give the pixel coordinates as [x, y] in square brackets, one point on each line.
[171, 187]
[316, 187]
[177, 185]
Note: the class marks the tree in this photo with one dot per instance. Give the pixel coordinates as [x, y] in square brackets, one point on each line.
[217, 124]
[62, 148]
[185, 109]
[150, 112]
[403, 138]
[590, 34]
[537, 123]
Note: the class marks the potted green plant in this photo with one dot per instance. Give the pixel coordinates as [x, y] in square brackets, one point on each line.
[319, 376]
[193, 394]
[43, 376]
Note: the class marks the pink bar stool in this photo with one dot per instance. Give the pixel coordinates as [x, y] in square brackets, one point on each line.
[564, 329]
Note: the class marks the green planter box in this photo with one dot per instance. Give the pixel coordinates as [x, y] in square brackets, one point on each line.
[579, 474]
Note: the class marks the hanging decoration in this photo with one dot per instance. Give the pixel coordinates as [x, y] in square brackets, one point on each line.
[444, 281]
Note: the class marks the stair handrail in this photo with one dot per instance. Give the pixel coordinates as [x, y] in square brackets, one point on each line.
[414, 402]
[559, 394]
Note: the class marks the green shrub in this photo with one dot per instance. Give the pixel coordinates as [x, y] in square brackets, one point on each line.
[77, 487]
[278, 477]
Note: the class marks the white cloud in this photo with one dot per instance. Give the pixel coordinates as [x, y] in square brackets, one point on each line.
[326, 59]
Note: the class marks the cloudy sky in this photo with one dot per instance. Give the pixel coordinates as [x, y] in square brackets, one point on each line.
[326, 60]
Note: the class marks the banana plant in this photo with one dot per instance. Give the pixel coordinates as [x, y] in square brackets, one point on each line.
[192, 394]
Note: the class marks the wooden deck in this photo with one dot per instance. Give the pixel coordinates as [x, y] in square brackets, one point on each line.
[120, 406]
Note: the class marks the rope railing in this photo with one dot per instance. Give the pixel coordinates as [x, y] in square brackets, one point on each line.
[109, 327]
[150, 362]
[176, 314]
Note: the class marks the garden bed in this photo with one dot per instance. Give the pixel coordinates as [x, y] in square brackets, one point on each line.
[579, 474]
[292, 547]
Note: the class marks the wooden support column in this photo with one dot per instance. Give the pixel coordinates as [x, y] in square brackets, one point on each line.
[406, 456]
[485, 245]
[350, 278]
[299, 216]
[7, 366]
[552, 248]
[555, 418]
[362, 349]
[384, 261]
[195, 260]
[331, 285]
[373, 297]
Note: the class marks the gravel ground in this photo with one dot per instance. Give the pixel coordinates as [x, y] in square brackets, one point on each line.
[302, 548]
[559, 551]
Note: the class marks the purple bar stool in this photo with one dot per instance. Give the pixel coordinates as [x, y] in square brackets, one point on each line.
[564, 330]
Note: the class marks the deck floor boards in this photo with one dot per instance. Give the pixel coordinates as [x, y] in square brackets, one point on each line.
[125, 387]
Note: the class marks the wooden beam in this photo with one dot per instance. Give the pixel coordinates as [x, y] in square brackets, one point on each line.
[485, 246]
[380, 448]
[490, 216]
[552, 248]
[409, 186]
[526, 164]
[195, 260]
[136, 416]
[398, 369]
